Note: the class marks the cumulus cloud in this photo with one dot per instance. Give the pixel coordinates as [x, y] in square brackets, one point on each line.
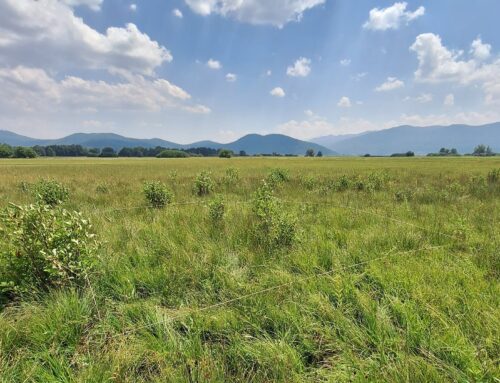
[277, 92]
[34, 90]
[437, 64]
[392, 17]
[301, 68]
[48, 34]
[177, 13]
[392, 83]
[259, 12]
[423, 98]
[214, 64]
[345, 62]
[133, 7]
[231, 77]
[344, 102]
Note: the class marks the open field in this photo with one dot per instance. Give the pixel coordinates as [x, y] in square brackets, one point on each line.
[391, 274]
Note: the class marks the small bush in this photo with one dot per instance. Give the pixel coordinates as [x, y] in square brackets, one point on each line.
[343, 183]
[203, 184]
[277, 176]
[403, 195]
[44, 247]
[225, 153]
[157, 194]
[275, 227]
[216, 210]
[50, 192]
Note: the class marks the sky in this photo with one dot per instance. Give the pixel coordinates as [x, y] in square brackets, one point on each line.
[189, 70]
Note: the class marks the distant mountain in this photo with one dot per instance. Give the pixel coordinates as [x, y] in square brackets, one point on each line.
[251, 144]
[331, 140]
[421, 140]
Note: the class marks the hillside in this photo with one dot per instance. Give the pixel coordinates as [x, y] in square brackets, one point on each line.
[421, 140]
[251, 144]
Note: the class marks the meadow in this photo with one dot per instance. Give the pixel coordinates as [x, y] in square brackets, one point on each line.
[336, 270]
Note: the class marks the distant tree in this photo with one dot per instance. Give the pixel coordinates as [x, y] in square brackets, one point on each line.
[319, 154]
[367, 155]
[172, 153]
[40, 150]
[49, 152]
[225, 153]
[6, 151]
[454, 152]
[243, 153]
[24, 152]
[310, 153]
[94, 152]
[410, 154]
[108, 152]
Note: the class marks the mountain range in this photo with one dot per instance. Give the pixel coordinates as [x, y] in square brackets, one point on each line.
[421, 140]
[251, 143]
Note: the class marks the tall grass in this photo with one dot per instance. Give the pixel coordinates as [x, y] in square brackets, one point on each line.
[374, 287]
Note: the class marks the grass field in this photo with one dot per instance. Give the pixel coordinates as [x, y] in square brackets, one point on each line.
[392, 274]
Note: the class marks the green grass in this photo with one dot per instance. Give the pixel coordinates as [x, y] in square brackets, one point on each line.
[396, 284]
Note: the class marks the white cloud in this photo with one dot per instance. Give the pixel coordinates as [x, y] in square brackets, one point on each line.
[277, 92]
[231, 77]
[214, 64]
[33, 90]
[177, 13]
[301, 68]
[449, 100]
[95, 5]
[345, 62]
[133, 7]
[344, 102]
[423, 98]
[392, 83]
[259, 12]
[269, 72]
[392, 17]
[479, 50]
[437, 64]
[55, 38]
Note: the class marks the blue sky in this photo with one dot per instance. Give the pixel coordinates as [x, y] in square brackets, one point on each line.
[187, 70]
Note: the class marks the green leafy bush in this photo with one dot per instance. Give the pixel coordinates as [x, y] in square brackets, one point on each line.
[50, 192]
[403, 195]
[277, 176]
[203, 184]
[44, 247]
[157, 194]
[275, 227]
[216, 210]
[172, 153]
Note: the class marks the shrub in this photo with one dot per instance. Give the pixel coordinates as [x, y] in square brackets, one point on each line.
[342, 183]
[157, 194]
[216, 210]
[44, 247]
[277, 176]
[275, 228]
[403, 195]
[50, 192]
[203, 184]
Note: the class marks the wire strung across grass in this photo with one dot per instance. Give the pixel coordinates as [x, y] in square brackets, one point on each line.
[389, 254]
[328, 203]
